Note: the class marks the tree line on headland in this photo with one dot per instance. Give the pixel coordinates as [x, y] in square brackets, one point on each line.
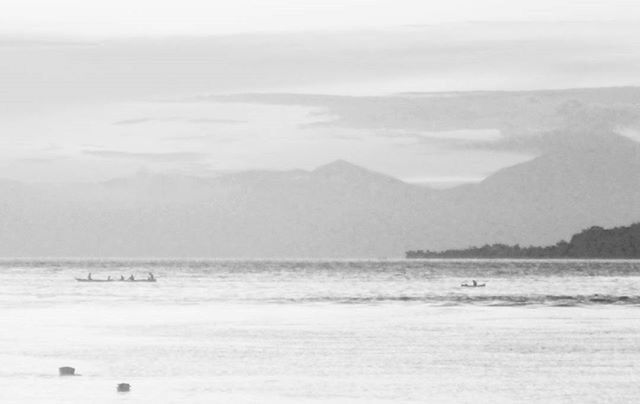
[595, 242]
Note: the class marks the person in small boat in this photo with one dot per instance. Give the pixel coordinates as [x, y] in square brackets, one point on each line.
[474, 282]
[109, 277]
[151, 277]
[121, 277]
[131, 278]
[89, 277]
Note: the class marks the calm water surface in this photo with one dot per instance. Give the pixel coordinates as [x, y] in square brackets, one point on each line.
[321, 331]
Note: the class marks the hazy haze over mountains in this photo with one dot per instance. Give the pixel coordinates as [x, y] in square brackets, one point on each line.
[336, 210]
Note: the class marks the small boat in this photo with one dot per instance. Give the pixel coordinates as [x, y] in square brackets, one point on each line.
[479, 285]
[94, 280]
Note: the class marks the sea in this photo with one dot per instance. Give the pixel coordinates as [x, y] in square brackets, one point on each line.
[320, 331]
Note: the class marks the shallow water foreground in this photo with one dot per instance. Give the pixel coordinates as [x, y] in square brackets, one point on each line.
[321, 332]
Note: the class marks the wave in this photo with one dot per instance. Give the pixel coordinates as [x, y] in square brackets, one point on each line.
[484, 300]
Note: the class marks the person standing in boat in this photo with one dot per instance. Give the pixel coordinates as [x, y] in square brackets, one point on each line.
[151, 277]
[131, 278]
[474, 282]
[89, 277]
[121, 277]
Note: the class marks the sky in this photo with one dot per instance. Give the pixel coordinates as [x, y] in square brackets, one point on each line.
[93, 90]
[205, 17]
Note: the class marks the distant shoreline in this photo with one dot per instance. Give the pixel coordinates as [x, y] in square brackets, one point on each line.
[618, 243]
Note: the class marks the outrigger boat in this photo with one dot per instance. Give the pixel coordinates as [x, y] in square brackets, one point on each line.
[115, 280]
[470, 285]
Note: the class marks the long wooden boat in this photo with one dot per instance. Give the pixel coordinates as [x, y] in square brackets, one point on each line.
[114, 280]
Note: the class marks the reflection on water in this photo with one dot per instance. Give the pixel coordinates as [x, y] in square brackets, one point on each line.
[299, 331]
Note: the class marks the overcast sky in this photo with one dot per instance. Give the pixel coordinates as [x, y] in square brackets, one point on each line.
[97, 89]
[196, 17]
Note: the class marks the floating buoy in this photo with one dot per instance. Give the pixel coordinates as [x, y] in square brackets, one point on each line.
[123, 387]
[67, 371]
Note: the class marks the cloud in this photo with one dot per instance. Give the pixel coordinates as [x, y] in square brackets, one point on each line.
[138, 121]
[135, 121]
[17, 43]
[152, 157]
[42, 159]
[521, 121]
[215, 121]
[446, 57]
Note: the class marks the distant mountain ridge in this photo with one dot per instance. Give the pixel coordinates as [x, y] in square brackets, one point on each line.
[337, 210]
[595, 242]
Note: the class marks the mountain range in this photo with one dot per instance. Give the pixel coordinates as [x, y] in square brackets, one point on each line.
[337, 210]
